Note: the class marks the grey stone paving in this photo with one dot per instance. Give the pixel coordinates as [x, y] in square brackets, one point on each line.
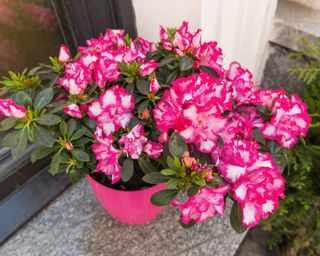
[75, 224]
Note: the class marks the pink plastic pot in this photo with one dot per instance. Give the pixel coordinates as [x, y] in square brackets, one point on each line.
[128, 207]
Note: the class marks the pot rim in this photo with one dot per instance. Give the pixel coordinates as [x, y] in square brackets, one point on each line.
[88, 176]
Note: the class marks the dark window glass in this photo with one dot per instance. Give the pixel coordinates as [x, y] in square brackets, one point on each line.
[29, 32]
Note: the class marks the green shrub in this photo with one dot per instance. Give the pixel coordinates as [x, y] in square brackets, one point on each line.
[296, 224]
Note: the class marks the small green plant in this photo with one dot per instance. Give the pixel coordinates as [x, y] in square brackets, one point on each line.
[296, 224]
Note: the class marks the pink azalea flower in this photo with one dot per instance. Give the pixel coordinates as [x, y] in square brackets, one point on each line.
[154, 86]
[10, 109]
[193, 108]
[107, 157]
[167, 46]
[153, 149]
[241, 83]
[146, 46]
[89, 60]
[148, 67]
[204, 205]
[64, 54]
[134, 142]
[258, 192]
[208, 54]
[106, 71]
[265, 97]
[73, 110]
[290, 119]
[113, 110]
[238, 157]
[163, 34]
[76, 78]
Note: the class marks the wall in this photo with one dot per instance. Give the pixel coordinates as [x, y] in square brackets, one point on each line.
[240, 27]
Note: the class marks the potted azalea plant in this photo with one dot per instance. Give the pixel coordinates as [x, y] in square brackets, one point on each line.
[155, 124]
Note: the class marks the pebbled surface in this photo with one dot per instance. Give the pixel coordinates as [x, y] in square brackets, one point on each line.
[75, 224]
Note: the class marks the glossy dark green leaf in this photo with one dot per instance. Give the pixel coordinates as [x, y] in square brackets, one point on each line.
[236, 218]
[20, 147]
[54, 165]
[63, 128]
[7, 124]
[164, 197]
[209, 71]
[186, 63]
[189, 225]
[23, 99]
[43, 99]
[43, 136]
[177, 145]
[172, 76]
[143, 106]
[78, 134]
[48, 120]
[74, 176]
[72, 126]
[80, 155]
[127, 170]
[146, 165]
[143, 86]
[40, 152]
[273, 147]
[193, 190]
[155, 178]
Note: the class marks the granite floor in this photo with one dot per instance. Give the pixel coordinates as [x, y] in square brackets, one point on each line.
[75, 224]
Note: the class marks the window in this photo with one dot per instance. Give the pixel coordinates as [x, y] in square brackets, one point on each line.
[30, 31]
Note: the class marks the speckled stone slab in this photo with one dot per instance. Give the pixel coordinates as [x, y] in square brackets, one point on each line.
[75, 224]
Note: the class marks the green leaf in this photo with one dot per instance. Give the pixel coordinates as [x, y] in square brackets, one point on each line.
[177, 145]
[10, 139]
[72, 126]
[189, 225]
[48, 120]
[63, 128]
[17, 141]
[43, 99]
[80, 155]
[7, 124]
[172, 76]
[220, 142]
[155, 178]
[236, 218]
[78, 134]
[186, 63]
[273, 147]
[164, 197]
[143, 86]
[81, 141]
[23, 99]
[146, 165]
[40, 152]
[165, 61]
[127, 170]
[209, 71]
[43, 136]
[173, 183]
[167, 172]
[171, 164]
[54, 165]
[74, 176]
[199, 182]
[193, 190]
[143, 106]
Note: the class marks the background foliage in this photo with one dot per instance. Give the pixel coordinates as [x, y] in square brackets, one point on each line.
[296, 223]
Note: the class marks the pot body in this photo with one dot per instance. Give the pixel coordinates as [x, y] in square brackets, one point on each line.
[128, 207]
